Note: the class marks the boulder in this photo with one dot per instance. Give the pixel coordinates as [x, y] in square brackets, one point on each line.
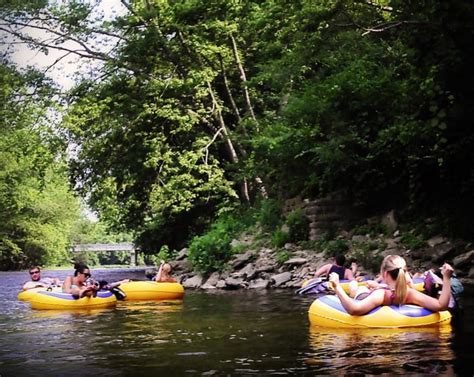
[183, 253]
[471, 273]
[193, 282]
[207, 286]
[443, 252]
[359, 238]
[248, 272]
[234, 283]
[259, 284]
[389, 221]
[211, 282]
[464, 260]
[242, 259]
[181, 265]
[436, 240]
[296, 261]
[280, 279]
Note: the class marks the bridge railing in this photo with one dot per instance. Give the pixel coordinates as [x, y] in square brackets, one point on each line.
[98, 247]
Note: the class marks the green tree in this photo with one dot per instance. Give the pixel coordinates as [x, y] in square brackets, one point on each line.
[37, 208]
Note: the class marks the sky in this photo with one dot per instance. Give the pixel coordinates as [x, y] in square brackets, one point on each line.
[62, 72]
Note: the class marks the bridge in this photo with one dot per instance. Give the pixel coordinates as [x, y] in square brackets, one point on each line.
[96, 247]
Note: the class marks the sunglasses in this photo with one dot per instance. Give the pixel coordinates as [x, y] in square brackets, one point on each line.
[34, 272]
[87, 275]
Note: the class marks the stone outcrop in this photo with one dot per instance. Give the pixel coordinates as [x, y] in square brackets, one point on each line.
[259, 268]
[327, 215]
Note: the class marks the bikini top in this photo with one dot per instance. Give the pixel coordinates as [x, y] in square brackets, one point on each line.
[389, 296]
[338, 270]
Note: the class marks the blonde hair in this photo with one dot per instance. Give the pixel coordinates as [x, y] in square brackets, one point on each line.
[166, 268]
[395, 265]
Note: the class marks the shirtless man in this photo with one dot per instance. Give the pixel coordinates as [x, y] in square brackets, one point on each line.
[38, 282]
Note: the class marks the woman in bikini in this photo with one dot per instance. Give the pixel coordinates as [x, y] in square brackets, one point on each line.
[337, 267]
[164, 274]
[76, 285]
[396, 292]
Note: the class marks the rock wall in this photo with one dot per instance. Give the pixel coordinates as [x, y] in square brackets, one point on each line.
[259, 268]
[328, 215]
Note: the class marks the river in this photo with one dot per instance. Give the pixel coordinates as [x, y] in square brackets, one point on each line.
[214, 333]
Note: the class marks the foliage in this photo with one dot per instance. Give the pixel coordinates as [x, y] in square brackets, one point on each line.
[212, 250]
[411, 241]
[280, 238]
[364, 254]
[371, 230]
[282, 256]
[200, 105]
[298, 225]
[269, 214]
[86, 231]
[37, 208]
[335, 247]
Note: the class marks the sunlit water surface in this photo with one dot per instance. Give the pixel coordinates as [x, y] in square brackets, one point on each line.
[218, 333]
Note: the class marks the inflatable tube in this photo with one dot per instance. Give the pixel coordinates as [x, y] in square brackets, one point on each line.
[45, 300]
[327, 311]
[319, 285]
[150, 290]
[419, 284]
[26, 295]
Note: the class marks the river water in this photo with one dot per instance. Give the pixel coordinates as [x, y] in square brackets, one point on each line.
[218, 333]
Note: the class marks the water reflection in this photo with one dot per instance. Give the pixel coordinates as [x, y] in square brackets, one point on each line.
[73, 313]
[372, 351]
[165, 306]
[221, 333]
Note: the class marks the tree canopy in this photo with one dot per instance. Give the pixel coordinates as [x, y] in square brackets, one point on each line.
[37, 206]
[204, 104]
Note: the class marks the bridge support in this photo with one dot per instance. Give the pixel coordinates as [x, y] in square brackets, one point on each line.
[133, 257]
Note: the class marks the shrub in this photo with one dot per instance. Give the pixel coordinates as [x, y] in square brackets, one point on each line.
[335, 247]
[298, 225]
[372, 230]
[282, 256]
[364, 254]
[212, 250]
[269, 214]
[411, 241]
[280, 238]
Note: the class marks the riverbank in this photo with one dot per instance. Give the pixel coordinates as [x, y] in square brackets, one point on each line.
[263, 267]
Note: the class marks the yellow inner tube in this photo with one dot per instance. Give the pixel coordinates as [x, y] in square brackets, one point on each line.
[150, 290]
[327, 311]
[45, 300]
[418, 284]
[26, 295]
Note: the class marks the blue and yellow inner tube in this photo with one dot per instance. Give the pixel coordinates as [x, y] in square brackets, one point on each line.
[318, 285]
[327, 311]
[59, 301]
[26, 295]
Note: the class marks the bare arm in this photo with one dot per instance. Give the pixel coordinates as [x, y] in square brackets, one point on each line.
[432, 303]
[356, 307]
[160, 271]
[33, 284]
[52, 281]
[67, 287]
[324, 270]
[348, 275]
